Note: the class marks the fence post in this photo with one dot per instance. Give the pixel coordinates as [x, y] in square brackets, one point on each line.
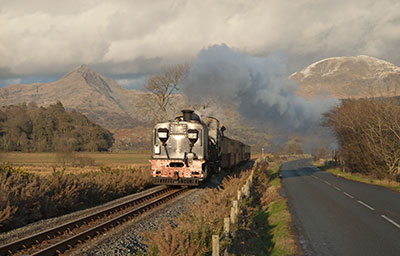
[239, 195]
[236, 207]
[246, 190]
[227, 228]
[215, 245]
[233, 217]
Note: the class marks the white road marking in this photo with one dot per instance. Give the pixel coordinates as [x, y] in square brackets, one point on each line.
[327, 182]
[315, 177]
[337, 188]
[348, 195]
[390, 220]
[366, 205]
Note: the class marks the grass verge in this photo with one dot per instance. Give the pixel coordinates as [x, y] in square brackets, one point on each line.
[359, 177]
[269, 225]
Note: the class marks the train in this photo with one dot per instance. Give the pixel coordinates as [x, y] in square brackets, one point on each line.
[187, 150]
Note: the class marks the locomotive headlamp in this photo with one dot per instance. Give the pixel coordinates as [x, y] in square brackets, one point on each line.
[157, 149]
[193, 135]
[163, 134]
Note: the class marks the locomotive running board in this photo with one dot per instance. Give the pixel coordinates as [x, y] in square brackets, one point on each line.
[171, 181]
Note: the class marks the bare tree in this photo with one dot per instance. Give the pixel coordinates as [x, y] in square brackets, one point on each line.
[161, 88]
[368, 133]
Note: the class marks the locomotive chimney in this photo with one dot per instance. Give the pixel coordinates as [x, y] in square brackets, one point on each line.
[187, 114]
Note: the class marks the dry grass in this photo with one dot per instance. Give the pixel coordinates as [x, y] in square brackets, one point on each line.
[191, 234]
[43, 163]
[391, 184]
[26, 197]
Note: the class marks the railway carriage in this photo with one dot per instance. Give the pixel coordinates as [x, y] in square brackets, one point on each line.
[188, 149]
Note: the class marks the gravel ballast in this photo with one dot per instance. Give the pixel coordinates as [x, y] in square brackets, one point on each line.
[128, 238]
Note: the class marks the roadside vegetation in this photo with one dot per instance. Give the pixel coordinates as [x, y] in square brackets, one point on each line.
[265, 222]
[27, 197]
[368, 135]
[192, 231]
[338, 171]
[269, 216]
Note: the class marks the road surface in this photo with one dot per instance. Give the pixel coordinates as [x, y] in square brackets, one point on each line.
[335, 216]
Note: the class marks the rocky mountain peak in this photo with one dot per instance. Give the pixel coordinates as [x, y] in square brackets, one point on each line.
[100, 98]
[84, 76]
[83, 71]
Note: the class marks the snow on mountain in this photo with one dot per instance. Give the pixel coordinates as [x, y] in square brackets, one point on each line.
[349, 77]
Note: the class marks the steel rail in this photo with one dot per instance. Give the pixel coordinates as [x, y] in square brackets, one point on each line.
[153, 196]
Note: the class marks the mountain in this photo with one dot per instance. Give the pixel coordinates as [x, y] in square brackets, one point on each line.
[349, 77]
[101, 99]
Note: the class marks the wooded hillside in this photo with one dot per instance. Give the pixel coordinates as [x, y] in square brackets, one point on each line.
[31, 128]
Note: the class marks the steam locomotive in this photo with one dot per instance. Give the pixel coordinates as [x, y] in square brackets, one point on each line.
[187, 150]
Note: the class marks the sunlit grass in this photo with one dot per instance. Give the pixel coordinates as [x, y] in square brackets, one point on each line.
[268, 230]
[391, 184]
[279, 217]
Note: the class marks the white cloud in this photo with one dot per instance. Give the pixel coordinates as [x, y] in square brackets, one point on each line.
[42, 37]
[135, 83]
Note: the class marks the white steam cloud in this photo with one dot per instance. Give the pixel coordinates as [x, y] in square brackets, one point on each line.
[257, 86]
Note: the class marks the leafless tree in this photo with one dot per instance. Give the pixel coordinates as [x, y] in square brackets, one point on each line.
[368, 132]
[161, 88]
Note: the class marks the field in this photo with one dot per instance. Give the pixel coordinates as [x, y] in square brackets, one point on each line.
[44, 163]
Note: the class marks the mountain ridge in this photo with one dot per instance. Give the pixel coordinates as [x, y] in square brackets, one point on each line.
[100, 98]
[349, 77]
[109, 104]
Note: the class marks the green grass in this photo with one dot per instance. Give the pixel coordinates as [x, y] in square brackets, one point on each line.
[360, 178]
[48, 159]
[279, 218]
[269, 231]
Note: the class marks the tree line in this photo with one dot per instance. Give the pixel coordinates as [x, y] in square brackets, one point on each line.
[30, 128]
[368, 134]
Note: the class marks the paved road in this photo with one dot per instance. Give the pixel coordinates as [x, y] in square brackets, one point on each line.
[335, 216]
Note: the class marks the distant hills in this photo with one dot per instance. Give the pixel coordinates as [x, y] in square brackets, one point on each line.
[116, 108]
[101, 99]
[349, 77]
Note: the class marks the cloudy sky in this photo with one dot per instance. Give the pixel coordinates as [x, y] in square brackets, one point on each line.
[42, 40]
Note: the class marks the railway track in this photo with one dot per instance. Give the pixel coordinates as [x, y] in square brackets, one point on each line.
[66, 236]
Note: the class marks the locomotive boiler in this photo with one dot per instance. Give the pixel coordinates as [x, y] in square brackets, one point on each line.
[188, 149]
